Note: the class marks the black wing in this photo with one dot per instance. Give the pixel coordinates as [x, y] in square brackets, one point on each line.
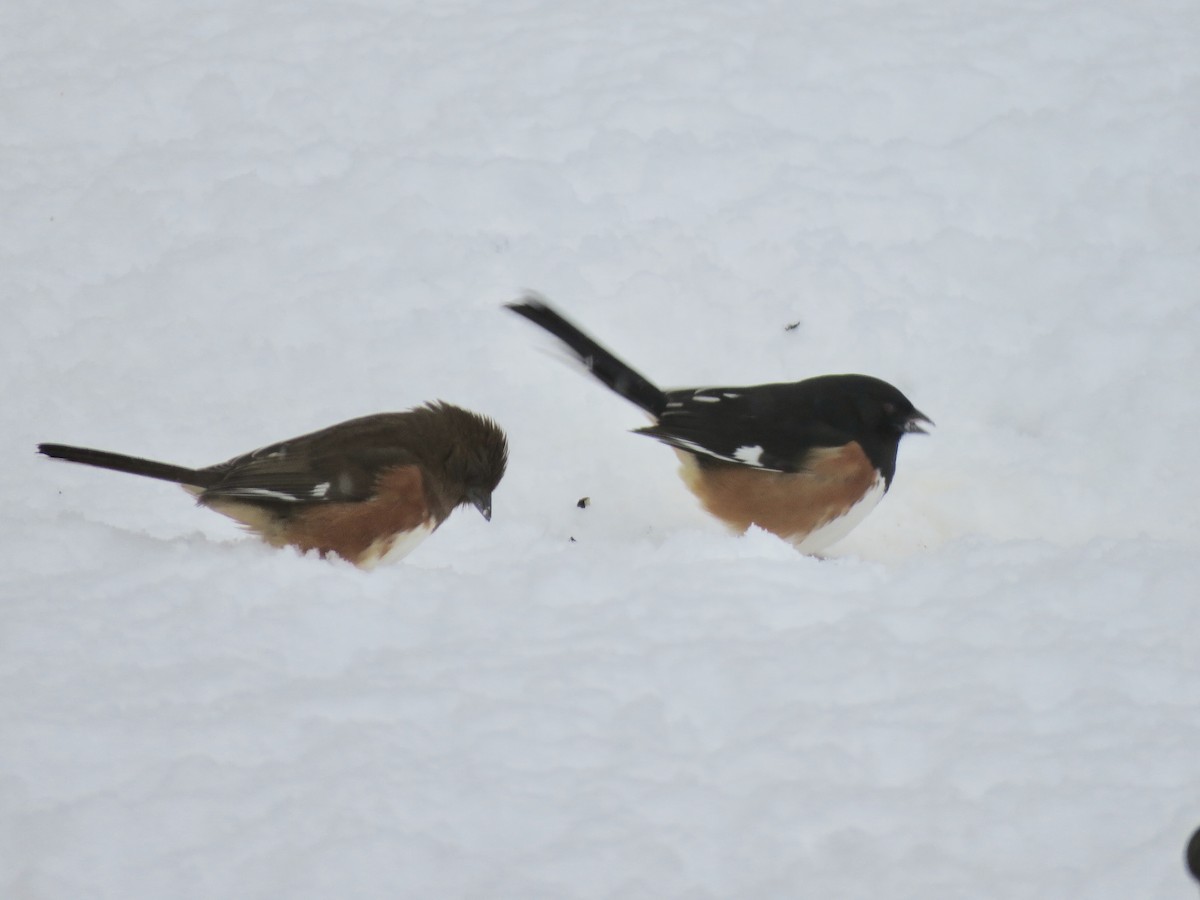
[769, 427]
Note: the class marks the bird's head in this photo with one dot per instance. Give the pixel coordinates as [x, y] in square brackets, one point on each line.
[885, 411]
[476, 457]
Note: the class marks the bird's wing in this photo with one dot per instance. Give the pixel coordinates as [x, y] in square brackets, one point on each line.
[338, 464]
[744, 426]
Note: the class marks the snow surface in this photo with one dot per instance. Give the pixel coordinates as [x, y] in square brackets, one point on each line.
[229, 223]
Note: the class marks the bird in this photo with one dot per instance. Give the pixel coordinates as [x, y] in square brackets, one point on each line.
[367, 490]
[804, 460]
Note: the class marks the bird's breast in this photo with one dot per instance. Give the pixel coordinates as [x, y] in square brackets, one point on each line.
[811, 509]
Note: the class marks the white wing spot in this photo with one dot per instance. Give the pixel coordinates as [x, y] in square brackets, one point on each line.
[751, 456]
[730, 396]
[262, 492]
[705, 398]
[320, 490]
[699, 449]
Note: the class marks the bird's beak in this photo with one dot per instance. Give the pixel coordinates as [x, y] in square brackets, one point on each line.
[482, 501]
[913, 425]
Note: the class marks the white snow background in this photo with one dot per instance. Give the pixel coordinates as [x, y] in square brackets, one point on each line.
[228, 223]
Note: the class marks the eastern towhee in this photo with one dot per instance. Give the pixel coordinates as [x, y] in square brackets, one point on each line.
[805, 460]
[367, 490]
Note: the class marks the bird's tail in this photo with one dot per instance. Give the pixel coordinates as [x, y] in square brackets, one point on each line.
[121, 463]
[615, 374]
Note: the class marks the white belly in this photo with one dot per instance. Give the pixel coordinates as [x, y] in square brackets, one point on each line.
[391, 549]
[834, 530]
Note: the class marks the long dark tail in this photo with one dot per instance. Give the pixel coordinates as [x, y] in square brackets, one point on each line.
[615, 374]
[121, 463]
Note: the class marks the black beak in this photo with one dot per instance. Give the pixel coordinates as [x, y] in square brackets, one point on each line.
[913, 423]
[481, 500]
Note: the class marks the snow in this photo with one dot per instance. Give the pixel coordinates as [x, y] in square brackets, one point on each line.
[229, 223]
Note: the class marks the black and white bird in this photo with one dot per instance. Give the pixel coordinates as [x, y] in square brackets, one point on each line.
[804, 460]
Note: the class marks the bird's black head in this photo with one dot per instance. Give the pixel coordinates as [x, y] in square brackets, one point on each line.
[473, 457]
[874, 412]
[884, 410]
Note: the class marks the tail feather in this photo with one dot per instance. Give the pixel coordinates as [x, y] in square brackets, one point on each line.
[613, 372]
[121, 463]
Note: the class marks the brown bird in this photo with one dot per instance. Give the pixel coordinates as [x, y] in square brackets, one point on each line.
[368, 490]
[805, 460]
